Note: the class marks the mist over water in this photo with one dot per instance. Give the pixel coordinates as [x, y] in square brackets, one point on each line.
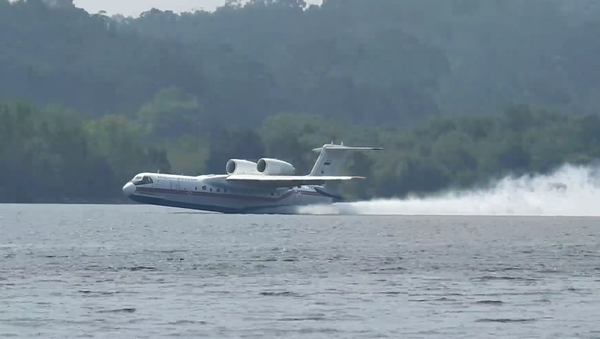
[569, 191]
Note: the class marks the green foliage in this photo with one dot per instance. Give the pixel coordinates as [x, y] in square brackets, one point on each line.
[170, 111]
[187, 155]
[56, 155]
[233, 143]
[238, 65]
[353, 60]
[105, 98]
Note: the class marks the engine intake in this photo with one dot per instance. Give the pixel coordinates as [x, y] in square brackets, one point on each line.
[237, 166]
[268, 166]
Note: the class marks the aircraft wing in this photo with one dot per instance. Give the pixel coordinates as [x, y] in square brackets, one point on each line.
[287, 180]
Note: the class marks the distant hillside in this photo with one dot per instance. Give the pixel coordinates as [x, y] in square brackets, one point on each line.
[360, 62]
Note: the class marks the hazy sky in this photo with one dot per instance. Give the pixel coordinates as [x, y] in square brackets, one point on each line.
[135, 7]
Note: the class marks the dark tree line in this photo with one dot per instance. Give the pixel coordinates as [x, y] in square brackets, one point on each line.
[57, 155]
[92, 100]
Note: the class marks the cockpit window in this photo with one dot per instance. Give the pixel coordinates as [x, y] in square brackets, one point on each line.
[142, 180]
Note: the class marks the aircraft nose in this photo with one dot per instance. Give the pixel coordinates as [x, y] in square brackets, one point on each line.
[129, 189]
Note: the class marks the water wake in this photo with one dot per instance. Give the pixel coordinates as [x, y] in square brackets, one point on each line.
[569, 191]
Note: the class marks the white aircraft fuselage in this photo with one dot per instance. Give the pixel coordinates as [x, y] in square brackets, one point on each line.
[215, 194]
[266, 187]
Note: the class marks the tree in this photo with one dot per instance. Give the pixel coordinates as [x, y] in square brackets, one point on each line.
[233, 144]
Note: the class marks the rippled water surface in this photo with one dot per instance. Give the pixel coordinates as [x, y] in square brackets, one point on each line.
[150, 272]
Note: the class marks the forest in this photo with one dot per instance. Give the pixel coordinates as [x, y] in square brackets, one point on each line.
[458, 92]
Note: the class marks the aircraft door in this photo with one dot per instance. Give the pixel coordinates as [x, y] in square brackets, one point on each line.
[175, 184]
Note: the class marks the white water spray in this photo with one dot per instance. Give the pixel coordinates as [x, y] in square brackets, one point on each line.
[569, 191]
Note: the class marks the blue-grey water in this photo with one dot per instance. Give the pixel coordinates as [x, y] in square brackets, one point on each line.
[151, 272]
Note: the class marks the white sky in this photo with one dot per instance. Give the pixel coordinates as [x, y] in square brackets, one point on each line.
[135, 7]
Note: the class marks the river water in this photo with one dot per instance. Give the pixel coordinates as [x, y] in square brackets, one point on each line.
[151, 272]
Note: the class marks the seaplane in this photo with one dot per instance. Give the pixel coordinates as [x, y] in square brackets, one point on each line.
[268, 186]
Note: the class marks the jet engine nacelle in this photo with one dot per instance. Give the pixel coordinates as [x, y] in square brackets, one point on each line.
[237, 166]
[268, 166]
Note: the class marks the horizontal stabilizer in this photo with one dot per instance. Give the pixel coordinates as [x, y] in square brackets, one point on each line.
[288, 180]
[346, 148]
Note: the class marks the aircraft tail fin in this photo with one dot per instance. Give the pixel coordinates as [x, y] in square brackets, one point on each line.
[332, 158]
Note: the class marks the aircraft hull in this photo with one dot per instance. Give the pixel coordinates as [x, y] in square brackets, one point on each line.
[282, 203]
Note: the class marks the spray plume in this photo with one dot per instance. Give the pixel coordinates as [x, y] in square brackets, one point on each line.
[569, 191]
